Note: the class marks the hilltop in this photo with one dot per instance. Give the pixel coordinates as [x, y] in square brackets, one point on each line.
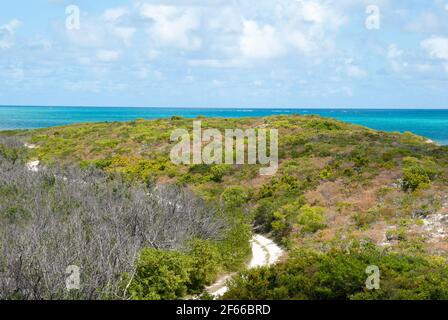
[337, 184]
[365, 181]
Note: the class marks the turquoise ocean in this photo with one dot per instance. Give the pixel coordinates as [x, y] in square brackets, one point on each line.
[432, 124]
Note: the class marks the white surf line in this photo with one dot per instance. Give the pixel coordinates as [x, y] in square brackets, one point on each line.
[265, 252]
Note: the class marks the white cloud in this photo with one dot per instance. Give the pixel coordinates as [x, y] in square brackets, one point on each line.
[216, 63]
[395, 57]
[224, 33]
[126, 34]
[424, 67]
[95, 32]
[95, 86]
[173, 26]
[306, 27]
[85, 61]
[108, 55]
[40, 43]
[301, 42]
[354, 71]
[145, 72]
[217, 83]
[83, 86]
[90, 36]
[425, 22]
[14, 73]
[153, 54]
[114, 14]
[236, 32]
[260, 42]
[393, 52]
[226, 20]
[313, 11]
[437, 47]
[7, 34]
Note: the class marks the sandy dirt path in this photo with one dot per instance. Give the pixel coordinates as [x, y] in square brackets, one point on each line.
[265, 252]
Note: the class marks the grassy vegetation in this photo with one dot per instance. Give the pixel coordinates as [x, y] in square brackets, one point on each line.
[336, 181]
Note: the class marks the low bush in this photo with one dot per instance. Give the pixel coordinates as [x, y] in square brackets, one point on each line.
[218, 172]
[415, 177]
[206, 263]
[418, 173]
[161, 275]
[311, 219]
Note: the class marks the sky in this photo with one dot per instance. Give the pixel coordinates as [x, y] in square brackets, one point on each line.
[225, 53]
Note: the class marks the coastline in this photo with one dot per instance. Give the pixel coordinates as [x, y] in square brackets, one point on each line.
[376, 119]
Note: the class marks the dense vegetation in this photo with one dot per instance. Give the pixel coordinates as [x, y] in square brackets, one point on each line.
[340, 274]
[335, 182]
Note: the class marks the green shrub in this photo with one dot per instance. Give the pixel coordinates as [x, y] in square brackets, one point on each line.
[205, 264]
[161, 275]
[12, 149]
[280, 224]
[264, 215]
[282, 219]
[15, 214]
[199, 169]
[103, 163]
[415, 177]
[326, 174]
[311, 219]
[418, 173]
[235, 197]
[218, 172]
[236, 249]
[321, 125]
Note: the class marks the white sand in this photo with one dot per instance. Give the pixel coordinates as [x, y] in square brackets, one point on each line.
[259, 254]
[33, 166]
[30, 146]
[219, 287]
[264, 253]
[274, 252]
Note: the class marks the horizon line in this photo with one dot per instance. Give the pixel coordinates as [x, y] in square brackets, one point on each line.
[230, 108]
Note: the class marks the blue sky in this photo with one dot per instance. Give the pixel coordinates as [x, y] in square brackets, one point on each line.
[216, 53]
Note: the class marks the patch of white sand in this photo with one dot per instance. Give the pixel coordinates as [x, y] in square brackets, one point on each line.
[30, 146]
[265, 252]
[219, 288]
[259, 254]
[33, 166]
[274, 252]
